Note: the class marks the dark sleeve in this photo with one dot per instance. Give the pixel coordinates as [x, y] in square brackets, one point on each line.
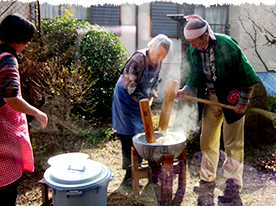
[246, 93]
[158, 79]
[9, 77]
[135, 65]
[133, 72]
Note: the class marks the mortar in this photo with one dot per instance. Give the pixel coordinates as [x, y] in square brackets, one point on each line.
[153, 152]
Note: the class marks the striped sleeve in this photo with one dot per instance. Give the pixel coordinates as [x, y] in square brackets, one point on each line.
[9, 77]
[246, 93]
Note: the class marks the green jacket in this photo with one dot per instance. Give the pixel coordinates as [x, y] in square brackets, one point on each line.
[232, 71]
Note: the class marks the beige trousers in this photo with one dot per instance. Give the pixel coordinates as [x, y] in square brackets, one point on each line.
[233, 136]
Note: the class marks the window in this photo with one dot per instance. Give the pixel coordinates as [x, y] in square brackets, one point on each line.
[102, 12]
[217, 17]
[52, 8]
[215, 1]
[214, 11]
[105, 12]
[48, 11]
[79, 11]
[161, 24]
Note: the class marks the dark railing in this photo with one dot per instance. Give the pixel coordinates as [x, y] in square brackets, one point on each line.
[221, 28]
[29, 10]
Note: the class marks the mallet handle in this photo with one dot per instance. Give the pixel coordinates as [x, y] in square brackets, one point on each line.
[205, 101]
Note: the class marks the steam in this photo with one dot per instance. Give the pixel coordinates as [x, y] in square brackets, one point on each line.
[184, 118]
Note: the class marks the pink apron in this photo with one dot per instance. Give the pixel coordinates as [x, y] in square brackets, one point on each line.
[16, 153]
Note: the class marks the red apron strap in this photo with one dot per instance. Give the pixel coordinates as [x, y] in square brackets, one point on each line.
[5, 54]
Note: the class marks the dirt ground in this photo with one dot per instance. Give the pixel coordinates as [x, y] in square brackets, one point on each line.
[259, 186]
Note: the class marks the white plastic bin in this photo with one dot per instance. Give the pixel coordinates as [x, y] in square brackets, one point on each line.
[76, 181]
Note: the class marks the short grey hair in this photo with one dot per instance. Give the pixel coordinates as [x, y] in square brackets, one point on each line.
[161, 39]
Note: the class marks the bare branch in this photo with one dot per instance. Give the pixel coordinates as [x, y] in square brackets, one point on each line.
[258, 29]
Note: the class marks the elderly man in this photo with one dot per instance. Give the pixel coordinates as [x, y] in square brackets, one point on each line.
[218, 69]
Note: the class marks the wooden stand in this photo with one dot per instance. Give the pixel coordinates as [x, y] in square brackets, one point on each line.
[167, 169]
[46, 201]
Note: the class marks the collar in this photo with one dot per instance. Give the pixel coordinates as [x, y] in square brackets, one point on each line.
[206, 48]
[7, 48]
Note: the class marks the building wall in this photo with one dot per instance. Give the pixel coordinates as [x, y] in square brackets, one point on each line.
[135, 32]
[128, 27]
[171, 64]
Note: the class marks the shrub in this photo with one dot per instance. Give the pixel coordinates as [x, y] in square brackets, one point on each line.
[104, 56]
[100, 137]
[272, 103]
[64, 88]
[69, 85]
[60, 38]
[57, 44]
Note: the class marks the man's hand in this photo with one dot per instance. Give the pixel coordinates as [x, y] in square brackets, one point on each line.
[180, 94]
[240, 108]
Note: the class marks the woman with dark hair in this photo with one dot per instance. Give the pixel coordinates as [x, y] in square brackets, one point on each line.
[139, 80]
[16, 153]
[16, 29]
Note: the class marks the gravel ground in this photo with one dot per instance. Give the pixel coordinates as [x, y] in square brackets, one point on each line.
[259, 186]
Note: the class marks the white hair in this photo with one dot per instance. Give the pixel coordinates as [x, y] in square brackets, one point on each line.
[161, 39]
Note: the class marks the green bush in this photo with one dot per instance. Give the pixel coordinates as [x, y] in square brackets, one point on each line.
[60, 37]
[104, 56]
[100, 137]
[58, 49]
[272, 103]
[57, 46]
[71, 78]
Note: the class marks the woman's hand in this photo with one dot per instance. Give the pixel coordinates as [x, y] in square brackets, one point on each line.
[42, 118]
[153, 94]
[20, 105]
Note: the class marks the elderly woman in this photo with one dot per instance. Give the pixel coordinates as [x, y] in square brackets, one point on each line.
[16, 153]
[139, 80]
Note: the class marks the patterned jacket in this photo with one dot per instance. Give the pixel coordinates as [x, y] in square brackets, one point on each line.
[231, 71]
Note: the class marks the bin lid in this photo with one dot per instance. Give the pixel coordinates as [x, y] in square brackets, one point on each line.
[73, 174]
[67, 157]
